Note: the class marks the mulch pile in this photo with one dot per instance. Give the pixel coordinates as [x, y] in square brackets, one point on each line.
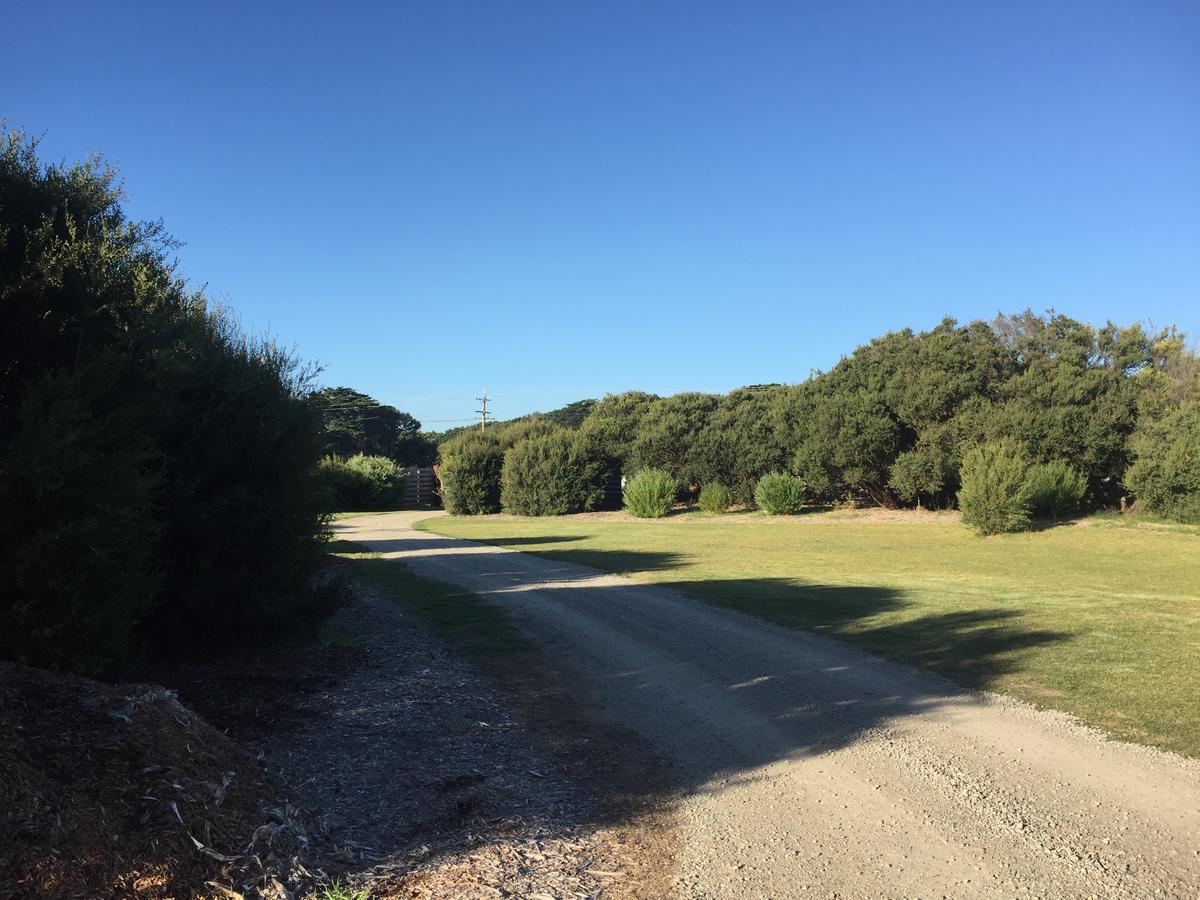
[121, 790]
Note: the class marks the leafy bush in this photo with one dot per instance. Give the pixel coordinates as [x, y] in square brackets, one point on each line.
[779, 494]
[650, 493]
[470, 473]
[994, 497]
[363, 482]
[1055, 490]
[715, 498]
[1165, 475]
[920, 472]
[547, 475]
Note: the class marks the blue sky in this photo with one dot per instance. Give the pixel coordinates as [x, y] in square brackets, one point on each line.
[554, 200]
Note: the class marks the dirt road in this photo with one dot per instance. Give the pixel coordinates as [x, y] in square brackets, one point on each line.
[807, 768]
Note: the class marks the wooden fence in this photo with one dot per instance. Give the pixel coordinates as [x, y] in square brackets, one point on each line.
[421, 487]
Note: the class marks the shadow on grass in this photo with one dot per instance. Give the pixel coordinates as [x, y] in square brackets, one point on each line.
[646, 695]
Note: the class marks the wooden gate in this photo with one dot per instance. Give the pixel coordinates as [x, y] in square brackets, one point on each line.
[421, 487]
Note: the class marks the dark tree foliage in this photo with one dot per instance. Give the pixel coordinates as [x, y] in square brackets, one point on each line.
[571, 415]
[356, 423]
[610, 428]
[666, 432]
[1165, 474]
[157, 468]
[1075, 395]
[892, 422]
[741, 441]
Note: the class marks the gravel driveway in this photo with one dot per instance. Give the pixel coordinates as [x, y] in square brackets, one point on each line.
[805, 767]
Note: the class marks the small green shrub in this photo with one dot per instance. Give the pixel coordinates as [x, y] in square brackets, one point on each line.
[714, 498]
[470, 474]
[1055, 490]
[779, 494]
[650, 494]
[546, 475]
[363, 482]
[994, 497]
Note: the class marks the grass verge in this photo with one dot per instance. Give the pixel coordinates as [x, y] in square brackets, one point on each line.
[1099, 620]
[453, 614]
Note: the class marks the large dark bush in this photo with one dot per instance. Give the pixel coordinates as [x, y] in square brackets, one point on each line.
[547, 475]
[994, 497]
[470, 471]
[157, 468]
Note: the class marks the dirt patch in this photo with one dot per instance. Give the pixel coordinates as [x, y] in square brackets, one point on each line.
[121, 790]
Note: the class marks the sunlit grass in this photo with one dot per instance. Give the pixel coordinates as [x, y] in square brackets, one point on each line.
[1100, 619]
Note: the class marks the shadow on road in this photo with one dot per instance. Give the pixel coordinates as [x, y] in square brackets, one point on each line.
[648, 695]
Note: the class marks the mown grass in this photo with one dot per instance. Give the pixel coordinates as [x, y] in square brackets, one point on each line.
[453, 614]
[1101, 620]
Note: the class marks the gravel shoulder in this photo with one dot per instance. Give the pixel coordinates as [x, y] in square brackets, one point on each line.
[803, 766]
[435, 773]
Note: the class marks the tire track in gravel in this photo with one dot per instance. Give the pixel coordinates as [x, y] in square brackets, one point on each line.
[806, 767]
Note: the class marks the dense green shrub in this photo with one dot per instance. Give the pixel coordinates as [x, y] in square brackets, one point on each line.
[157, 467]
[363, 482]
[611, 425]
[1055, 490]
[650, 493]
[741, 441]
[513, 433]
[666, 432]
[780, 494]
[547, 474]
[1165, 475]
[470, 473]
[994, 497]
[715, 498]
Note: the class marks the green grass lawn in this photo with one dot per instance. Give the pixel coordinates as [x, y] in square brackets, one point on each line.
[1101, 620]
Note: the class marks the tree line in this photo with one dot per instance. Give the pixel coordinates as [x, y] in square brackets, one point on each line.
[893, 423]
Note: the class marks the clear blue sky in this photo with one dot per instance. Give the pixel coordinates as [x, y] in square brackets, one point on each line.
[558, 199]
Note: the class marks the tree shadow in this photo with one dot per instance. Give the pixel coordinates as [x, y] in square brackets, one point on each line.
[643, 694]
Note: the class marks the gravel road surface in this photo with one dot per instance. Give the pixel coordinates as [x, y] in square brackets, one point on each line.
[808, 768]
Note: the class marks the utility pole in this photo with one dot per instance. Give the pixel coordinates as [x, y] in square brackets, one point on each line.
[483, 413]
